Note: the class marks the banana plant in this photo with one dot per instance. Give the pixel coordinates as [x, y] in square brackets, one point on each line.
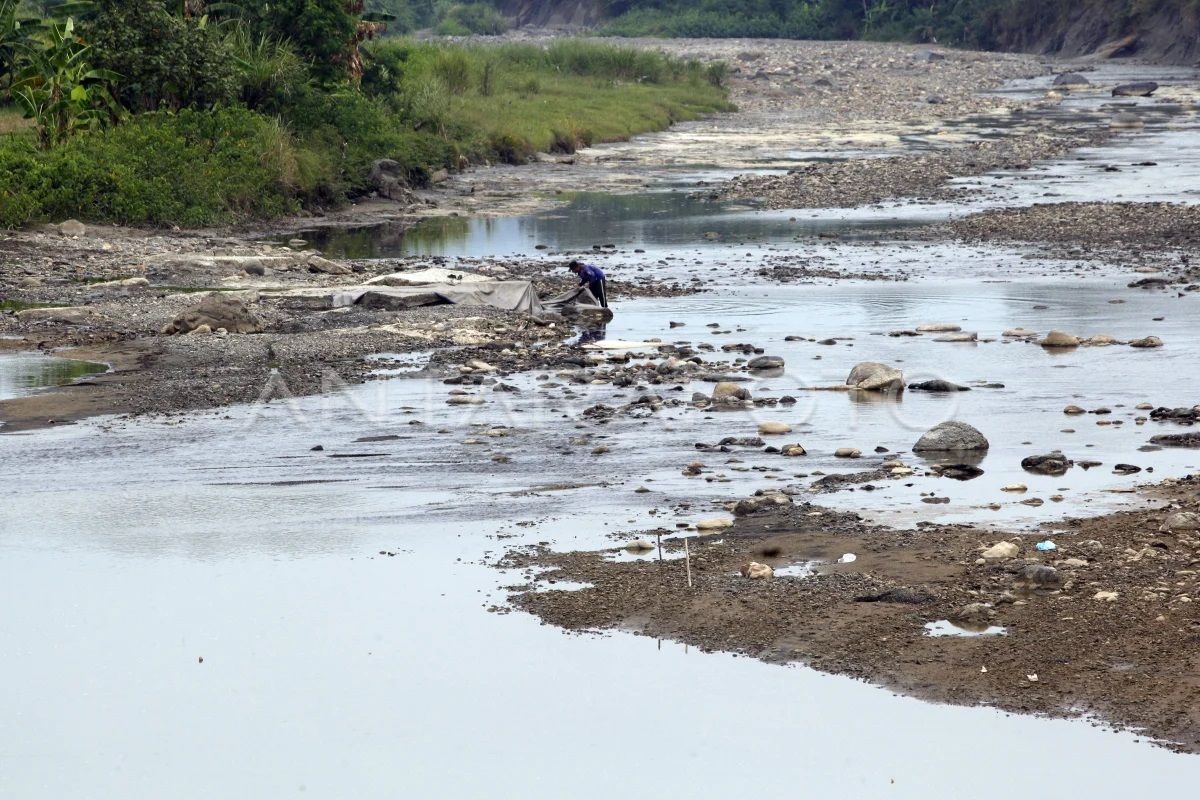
[60, 91]
[17, 32]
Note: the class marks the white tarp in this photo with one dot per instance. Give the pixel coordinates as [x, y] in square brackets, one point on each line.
[508, 295]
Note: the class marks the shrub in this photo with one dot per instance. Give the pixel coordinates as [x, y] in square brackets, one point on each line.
[186, 168]
[164, 61]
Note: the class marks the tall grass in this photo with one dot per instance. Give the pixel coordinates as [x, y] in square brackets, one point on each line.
[507, 101]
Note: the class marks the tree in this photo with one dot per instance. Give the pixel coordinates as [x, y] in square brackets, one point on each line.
[165, 60]
[323, 31]
[17, 32]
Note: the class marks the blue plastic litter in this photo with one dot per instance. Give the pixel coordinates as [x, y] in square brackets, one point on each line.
[1046, 545]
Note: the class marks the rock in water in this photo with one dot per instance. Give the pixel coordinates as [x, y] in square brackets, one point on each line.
[1148, 341]
[875, 377]
[1059, 339]
[1069, 80]
[1190, 439]
[765, 362]
[1125, 119]
[1048, 464]
[951, 435]
[727, 392]
[959, 472]
[217, 311]
[938, 385]
[772, 428]
[847, 452]
[1135, 89]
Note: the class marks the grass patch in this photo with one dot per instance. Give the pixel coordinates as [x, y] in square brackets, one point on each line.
[19, 305]
[11, 122]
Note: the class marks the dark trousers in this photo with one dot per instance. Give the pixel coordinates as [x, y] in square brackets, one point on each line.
[597, 288]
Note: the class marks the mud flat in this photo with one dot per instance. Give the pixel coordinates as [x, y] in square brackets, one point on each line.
[1104, 625]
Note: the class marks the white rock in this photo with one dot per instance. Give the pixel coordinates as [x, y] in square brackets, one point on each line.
[772, 428]
[1000, 550]
[1181, 521]
[757, 571]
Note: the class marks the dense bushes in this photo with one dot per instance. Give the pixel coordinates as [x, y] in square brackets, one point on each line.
[305, 143]
[163, 60]
[185, 168]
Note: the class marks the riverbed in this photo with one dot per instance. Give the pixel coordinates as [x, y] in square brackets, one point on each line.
[208, 606]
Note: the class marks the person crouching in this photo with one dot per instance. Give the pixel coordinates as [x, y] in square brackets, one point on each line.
[592, 277]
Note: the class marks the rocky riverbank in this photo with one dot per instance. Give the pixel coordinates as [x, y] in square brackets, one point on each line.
[1103, 624]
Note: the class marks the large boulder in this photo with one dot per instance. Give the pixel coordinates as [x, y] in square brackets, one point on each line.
[765, 363]
[1059, 339]
[1135, 89]
[1049, 464]
[388, 179]
[1181, 521]
[729, 393]
[217, 311]
[951, 436]
[872, 376]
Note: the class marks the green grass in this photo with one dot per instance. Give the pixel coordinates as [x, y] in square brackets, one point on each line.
[428, 106]
[506, 102]
[11, 122]
[19, 305]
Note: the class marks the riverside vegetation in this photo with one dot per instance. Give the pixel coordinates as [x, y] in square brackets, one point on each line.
[155, 113]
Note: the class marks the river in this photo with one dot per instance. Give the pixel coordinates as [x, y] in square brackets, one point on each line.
[208, 607]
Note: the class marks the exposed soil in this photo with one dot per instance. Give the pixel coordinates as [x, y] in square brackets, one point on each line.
[1130, 661]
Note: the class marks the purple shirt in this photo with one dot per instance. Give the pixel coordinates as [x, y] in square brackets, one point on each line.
[590, 274]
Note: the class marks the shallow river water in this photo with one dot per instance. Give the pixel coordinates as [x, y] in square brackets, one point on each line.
[201, 608]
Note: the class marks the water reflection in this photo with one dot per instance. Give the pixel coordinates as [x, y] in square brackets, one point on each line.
[25, 373]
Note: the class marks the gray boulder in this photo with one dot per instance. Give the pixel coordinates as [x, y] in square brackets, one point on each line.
[872, 376]
[388, 179]
[1135, 89]
[1049, 464]
[951, 436]
[765, 362]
